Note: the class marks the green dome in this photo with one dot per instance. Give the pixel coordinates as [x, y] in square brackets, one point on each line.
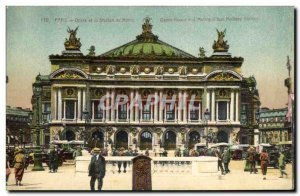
[147, 45]
[147, 49]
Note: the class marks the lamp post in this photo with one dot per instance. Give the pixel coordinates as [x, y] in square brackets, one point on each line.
[86, 117]
[38, 164]
[206, 118]
[36, 126]
[256, 130]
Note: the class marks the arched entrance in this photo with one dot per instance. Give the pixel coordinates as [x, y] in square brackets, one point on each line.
[122, 139]
[222, 137]
[146, 140]
[194, 138]
[170, 140]
[70, 135]
[97, 140]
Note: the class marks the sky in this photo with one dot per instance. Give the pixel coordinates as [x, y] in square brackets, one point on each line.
[263, 36]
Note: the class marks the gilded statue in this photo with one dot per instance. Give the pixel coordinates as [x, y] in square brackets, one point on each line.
[220, 45]
[73, 43]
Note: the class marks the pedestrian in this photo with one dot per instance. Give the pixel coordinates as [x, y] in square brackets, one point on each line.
[220, 160]
[264, 158]
[251, 158]
[53, 161]
[281, 164]
[7, 168]
[226, 159]
[97, 169]
[19, 161]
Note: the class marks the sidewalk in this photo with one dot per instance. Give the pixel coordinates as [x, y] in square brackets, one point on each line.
[67, 179]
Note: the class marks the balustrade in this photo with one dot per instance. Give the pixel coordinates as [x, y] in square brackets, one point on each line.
[122, 165]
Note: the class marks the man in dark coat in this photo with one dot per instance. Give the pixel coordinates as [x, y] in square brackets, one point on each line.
[251, 153]
[220, 160]
[53, 160]
[226, 159]
[97, 169]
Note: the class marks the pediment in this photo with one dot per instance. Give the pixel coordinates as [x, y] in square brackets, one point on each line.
[223, 76]
[68, 73]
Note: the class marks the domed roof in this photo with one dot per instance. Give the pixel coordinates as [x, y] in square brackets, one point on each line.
[147, 45]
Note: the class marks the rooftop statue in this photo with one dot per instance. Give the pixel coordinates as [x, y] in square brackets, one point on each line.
[147, 34]
[91, 51]
[73, 43]
[201, 52]
[220, 45]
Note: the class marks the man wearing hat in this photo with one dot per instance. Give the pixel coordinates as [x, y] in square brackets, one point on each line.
[53, 160]
[97, 169]
[19, 166]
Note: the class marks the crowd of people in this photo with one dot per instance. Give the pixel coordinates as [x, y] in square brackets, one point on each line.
[264, 160]
[97, 164]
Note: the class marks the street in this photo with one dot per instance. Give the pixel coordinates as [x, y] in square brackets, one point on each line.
[66, 179]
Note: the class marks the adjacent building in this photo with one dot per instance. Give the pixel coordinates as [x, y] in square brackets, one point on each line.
[18, 132]
[273, 126]
[183, 87]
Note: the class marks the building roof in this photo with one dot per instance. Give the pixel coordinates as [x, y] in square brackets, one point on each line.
[17, 111]
[273, 113]
[147, 45]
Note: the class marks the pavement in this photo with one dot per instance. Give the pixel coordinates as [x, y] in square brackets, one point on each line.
[237, 179]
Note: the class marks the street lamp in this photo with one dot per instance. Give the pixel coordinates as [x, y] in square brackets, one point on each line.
[206, 118]
[38, 163]
[86, 117]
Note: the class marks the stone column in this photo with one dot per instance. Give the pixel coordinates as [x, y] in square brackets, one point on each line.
[131, 104]
[156, 107]
[227, 110]
[208, 100]
[137, 106]
[79, 103]
[93, 110]
[83, 99]
[237, 106]
[59, 105]
[161, 107]
[179, 106]
[217, 112]
[184, 106]
[54, 104]
[75, 114]
[113, 109]
[107, 105]
[213, 103]
[231, 106]
[64, 116]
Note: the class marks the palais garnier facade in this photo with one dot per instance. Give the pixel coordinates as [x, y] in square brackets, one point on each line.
[192, 99]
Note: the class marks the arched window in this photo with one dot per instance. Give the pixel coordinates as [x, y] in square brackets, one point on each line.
[97, 140]
[70, 135]
[170, 140]
[194, 138]
[146, 140]
[222, 137]
[122, 139]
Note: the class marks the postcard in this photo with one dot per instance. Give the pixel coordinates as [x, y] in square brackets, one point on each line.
[153, 98]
